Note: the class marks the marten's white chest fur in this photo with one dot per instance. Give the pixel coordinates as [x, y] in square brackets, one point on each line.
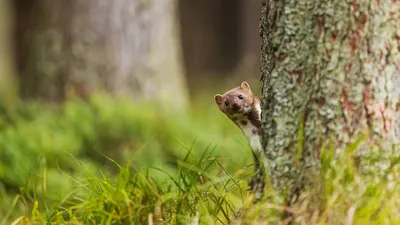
[250, 131]
[253, 137]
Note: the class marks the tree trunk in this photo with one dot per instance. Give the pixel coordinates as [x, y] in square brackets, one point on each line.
[6, 62]
[210, 39]
[331, 73]
[128, 47]
[248, 65]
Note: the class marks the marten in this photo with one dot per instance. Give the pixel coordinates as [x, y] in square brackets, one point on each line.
[243, 107]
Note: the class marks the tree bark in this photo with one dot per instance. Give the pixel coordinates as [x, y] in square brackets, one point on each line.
[7, 71]
[210, 38]
[128, 47]
[331, 74]
[249, 40]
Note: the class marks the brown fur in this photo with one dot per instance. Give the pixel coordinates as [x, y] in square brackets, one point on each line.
[231, 104]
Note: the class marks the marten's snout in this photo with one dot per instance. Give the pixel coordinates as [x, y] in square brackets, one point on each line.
[235, 107]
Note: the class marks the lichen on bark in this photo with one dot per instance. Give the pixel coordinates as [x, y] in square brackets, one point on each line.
[330, 73]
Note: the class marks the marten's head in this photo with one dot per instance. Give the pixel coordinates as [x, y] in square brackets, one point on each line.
[239, 100]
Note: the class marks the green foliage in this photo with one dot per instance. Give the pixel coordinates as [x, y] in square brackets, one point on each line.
[40, 144]
[199, 189]
[108, 161]
[132, 196]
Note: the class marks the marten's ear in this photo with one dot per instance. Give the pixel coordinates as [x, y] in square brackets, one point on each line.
[245, 86]
[218, 99]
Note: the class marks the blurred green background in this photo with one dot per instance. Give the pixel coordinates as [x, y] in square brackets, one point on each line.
[87, 83]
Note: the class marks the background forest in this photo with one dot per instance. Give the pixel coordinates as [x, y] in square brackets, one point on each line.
[107, 116]
[89, 86]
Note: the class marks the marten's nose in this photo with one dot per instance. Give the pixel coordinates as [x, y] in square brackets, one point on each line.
[235, 107]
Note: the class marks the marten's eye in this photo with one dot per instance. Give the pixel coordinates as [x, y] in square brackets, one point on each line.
[226, 102]
[240, 96]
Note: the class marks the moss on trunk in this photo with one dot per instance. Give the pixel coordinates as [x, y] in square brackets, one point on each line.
[330, 73]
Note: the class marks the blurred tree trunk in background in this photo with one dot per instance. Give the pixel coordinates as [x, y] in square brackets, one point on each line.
[220, 41]
[128, 47]
[331, 75]
[6, 57]
[209, 38]
[248, 65]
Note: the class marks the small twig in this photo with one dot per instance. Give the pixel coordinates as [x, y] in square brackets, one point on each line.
[150, 218]
[196, 219]
[350, 215]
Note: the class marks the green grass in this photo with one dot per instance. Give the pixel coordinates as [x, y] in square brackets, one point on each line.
[111, 162]
[40, 145]
[132, 195]
[200, 186]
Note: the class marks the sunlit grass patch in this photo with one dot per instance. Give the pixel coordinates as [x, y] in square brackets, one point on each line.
[200, 186]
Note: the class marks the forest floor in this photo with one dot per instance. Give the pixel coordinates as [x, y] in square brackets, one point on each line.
[110, 162]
